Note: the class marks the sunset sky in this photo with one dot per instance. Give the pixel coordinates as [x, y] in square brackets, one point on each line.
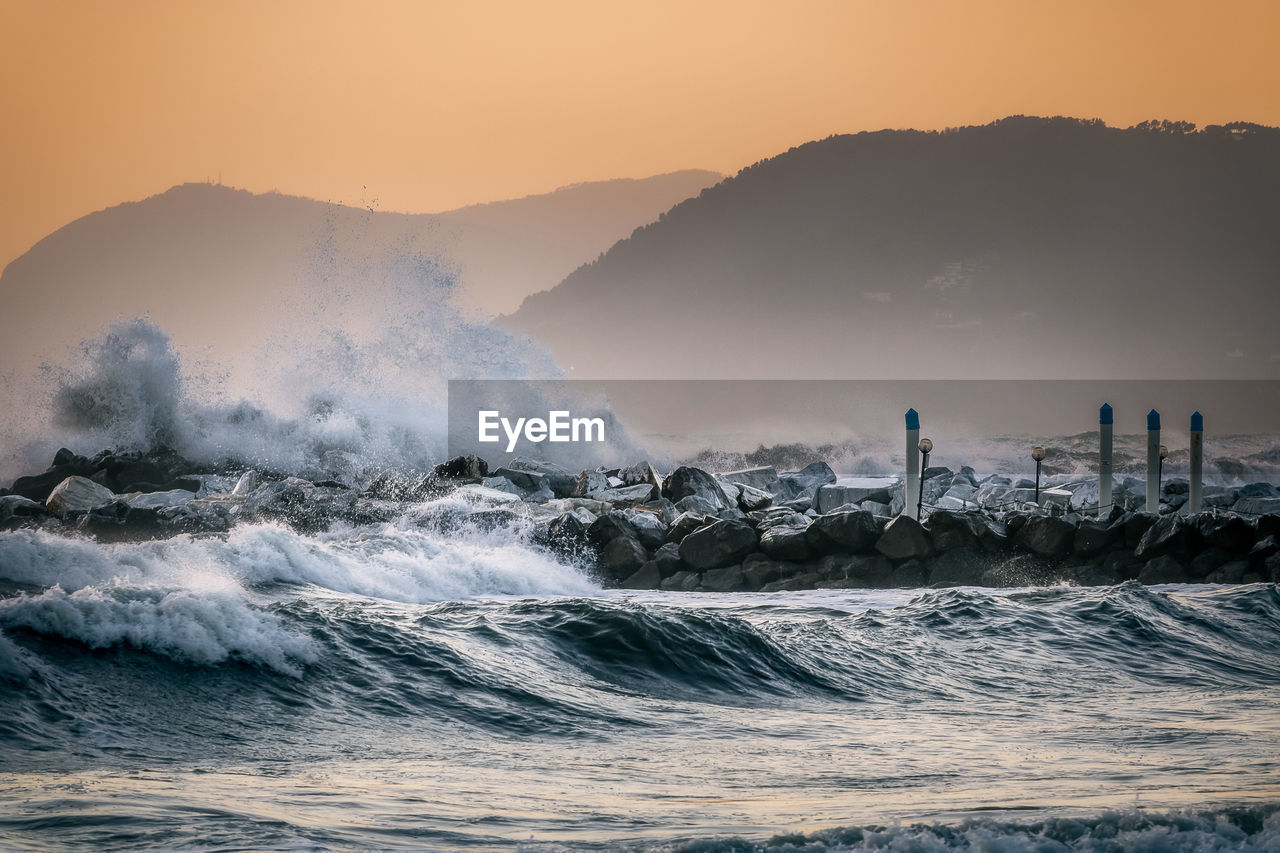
[423, 106]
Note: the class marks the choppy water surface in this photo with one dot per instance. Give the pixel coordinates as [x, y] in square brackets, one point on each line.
[391, 688]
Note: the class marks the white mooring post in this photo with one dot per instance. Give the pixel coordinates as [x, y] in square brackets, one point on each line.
[1196, 497]
[913, 465]
[1153, 461]
[1105, 418]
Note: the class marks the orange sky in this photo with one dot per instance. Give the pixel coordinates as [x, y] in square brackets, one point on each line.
[423, 106]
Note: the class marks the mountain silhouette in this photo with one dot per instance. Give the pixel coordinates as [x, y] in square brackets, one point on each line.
[221, 268]
[1028, 247]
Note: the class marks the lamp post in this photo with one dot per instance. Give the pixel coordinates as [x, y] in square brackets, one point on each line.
[1037, 454]
[926, 447]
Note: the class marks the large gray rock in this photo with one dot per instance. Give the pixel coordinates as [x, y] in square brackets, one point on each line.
[903, 539]
[641, 473]
[610, 526]
[717, 545]
[684, 581]
[1256, 506]
[1228, 532]
[649, 528]
[686, 523]
[560, 480]
[847, 532]
[786, 542]
[751, 499]
[1164, 569]
[959, 567]
[765, 479]
[829, 497]
[1047, 536]
[1171, 534]
[728, 579]
[78, 493]
[646, 577]
[470, 467]
[760, 570]
[687, 481]
[642, 493]
[1095, 537]
[621, 558]
[588, 482]
[949, 530]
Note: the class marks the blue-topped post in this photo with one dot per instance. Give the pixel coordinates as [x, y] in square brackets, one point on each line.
[1105, 419]
[1153, 461]
[1196, 497]
[913, 465]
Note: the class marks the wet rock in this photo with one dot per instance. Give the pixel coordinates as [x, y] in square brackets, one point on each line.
[765, 479]
[806, 580]
[1095, 537]
[646, 577]
[909, 575]
[16, 506]
[751, 499]
[698, 505]
[903, 539]
[1047, 536]
[720, 544]
[642, 493]
[848, 532]
[685, 581]
[560, 480]
[687, 481]
[566, 535]
[960, 567]
[785, 542]
[649, 529]
[1208, 560]
[621, 557]
[159, 500]
[1164, 569]
[668, 559]
[728, 579]
[1171, 534]
[685, 524]
[949, 530]
[610, 526]
[760, 570]
[641, 474]
[588, 482]
[1228, 532]
[1264, 548]
[1135, 527]
[470, 467]
[78, 493]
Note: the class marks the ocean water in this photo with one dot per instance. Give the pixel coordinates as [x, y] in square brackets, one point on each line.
[393, 687]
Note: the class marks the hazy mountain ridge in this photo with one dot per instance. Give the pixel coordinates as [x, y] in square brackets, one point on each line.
[1026, 247]
[215, 265]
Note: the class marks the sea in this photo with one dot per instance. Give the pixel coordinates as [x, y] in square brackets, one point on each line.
[402, 687]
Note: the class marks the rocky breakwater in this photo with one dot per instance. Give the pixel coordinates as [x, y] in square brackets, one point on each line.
[758, 530]
[749, 530]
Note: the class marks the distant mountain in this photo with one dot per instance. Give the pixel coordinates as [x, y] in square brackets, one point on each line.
[220, 268]
[1028, 247]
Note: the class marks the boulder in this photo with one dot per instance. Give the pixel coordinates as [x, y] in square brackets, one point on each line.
[1095, 537]
[78, 493]
[16, 506]
[1208, 560]
[687, 481]
[565, 535]
[699, 505]
[1228, 532]
[720, 544]
[1135, 526]
[760, 570]
[728, 579]
[248, 482]
[903, 539]
[959, 567]
[685, 524]
[560, 480]
[1232, 572]
[829, 497]
[470, 467]
[159, 500]
[1264, 548]
[588, 482]
[1047, 536]
[610, 526]
[646, 577]
[668, 559]
[1170, 534]
[847, 532]
[1257, 506]
[1164, 569]
[751, 499]
[641, 474]
[872, 571]
[765, 479]
[909, 575]
[685, 581]
[807, 580]
[785, 542]
[502, 484]
[620, 558]
[948, 530]
[649, 529]
[642, 493]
